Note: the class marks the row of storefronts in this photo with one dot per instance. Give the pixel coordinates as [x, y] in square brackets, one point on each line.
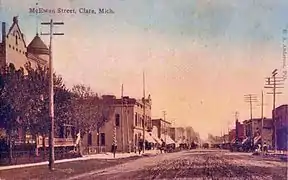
[250, 133]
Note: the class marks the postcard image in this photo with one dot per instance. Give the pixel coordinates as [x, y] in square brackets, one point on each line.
[126, 89]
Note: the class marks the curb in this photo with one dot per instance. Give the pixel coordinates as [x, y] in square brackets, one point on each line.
[83, 158]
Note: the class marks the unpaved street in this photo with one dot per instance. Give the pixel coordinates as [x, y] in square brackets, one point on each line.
[197, 164]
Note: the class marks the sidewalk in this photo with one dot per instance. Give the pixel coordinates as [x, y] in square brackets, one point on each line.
[87, 157]
[278, 152]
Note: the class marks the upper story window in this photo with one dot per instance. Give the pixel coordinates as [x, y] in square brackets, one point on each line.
[16, 40]
[143, 122]
[136, 119]
[117, 120]
[140, 121]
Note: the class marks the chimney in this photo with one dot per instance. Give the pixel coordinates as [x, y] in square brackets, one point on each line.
[3, 32]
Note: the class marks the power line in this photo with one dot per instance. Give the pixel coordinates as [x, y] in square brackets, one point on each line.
[274, 83]
[250, 98]
[51, 92]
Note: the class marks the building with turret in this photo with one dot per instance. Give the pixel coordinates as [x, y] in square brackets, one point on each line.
[14, 48]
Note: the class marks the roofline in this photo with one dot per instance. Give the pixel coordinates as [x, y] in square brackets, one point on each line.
[282, 106]
[160, 119]
[10, 29]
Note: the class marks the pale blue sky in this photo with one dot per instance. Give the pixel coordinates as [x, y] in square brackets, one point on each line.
[192, 51]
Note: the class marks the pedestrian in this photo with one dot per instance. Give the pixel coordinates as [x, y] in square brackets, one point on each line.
[265, 148]
[163, 146]
[160, 146]
[114, 149]
[140, 146]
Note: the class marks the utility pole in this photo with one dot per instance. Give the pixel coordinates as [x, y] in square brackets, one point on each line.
[262, 118]
[126, 103]
[262, 121]
[165, 128]
[228, 131]
[51, 92]
[114, 139]
[122, 119]
[236, 126]
[273, 83]
[250, 98]
[144, 111]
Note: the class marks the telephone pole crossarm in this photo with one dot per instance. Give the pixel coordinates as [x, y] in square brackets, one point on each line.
[250, 98]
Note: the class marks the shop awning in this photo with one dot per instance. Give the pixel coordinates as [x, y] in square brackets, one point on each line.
[167, 138]
[245, 140]
[156, 138]
[180, 141]
[149, 138]
[256, 139]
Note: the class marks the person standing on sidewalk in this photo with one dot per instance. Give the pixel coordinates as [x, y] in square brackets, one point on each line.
[162, 148]
[114, 149]
[265, 148]
[140, 145]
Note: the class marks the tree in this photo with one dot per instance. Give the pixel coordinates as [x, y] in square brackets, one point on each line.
[83, 92]
[38, 116]
[13, 101]
[90, 112]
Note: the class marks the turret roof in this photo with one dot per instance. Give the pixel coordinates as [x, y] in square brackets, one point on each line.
[37, 46]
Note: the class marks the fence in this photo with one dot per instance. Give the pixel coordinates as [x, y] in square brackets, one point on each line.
[58, 142]
[29, 156]
[94, 149]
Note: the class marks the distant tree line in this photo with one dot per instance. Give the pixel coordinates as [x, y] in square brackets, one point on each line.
[24, 103]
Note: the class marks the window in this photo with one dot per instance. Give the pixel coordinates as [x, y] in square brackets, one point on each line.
[117, 120]
[9, 46]
[90, 139]
[102, 139]
[135, 140]
[16, 40]
[140, 121]
[136, 119]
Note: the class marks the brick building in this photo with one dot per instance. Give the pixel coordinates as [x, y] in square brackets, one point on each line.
[232, 135]
[180, 134]
[172, 133]
[252, 129]
[281, 124]
[240, 136]
[128, 116]
[162, 126]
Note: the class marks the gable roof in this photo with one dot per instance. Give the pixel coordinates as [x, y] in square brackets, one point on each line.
[15, 23]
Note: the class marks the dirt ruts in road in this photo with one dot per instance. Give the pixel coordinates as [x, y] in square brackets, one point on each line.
[192, 164]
